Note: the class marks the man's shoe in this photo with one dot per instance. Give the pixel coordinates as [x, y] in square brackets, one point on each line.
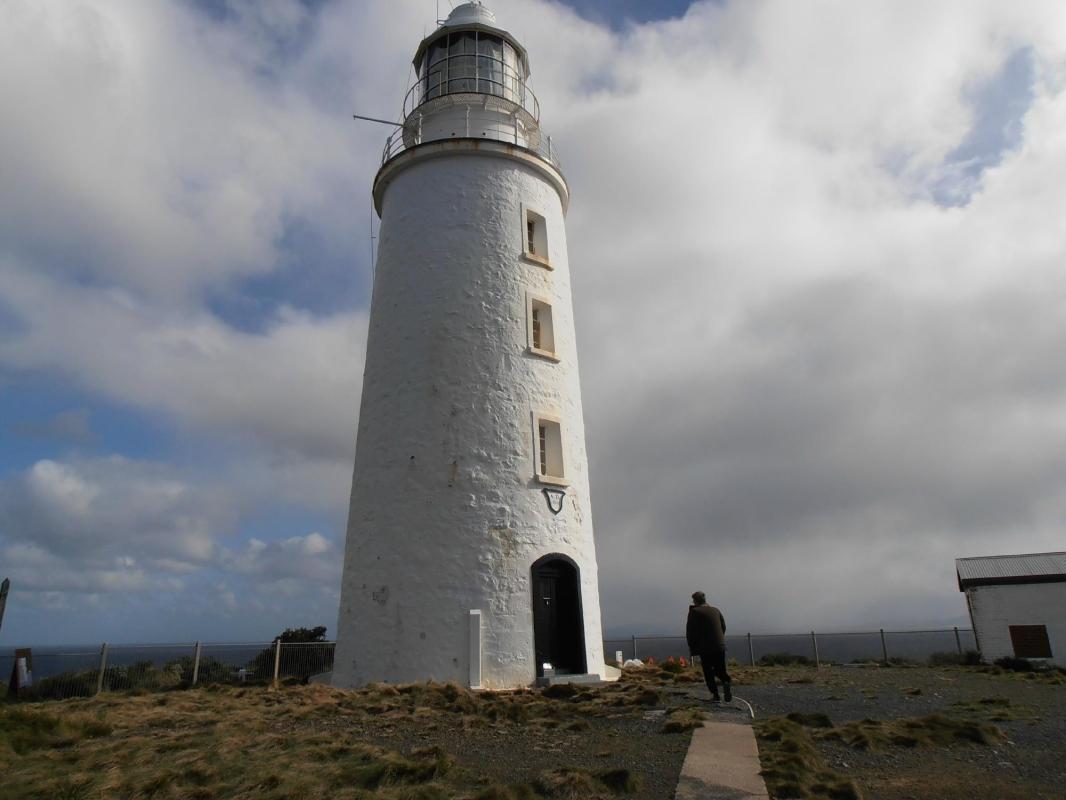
[715, 698]
[728, 689]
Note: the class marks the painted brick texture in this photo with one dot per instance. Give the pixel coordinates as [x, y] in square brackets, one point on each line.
[446, 514]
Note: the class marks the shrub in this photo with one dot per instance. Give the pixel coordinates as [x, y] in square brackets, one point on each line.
[1020, 665]
[298, 662]
[783, 660]
[62, 686]
[971, 658]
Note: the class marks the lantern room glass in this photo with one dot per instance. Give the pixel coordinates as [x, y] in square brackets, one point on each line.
[471, 61]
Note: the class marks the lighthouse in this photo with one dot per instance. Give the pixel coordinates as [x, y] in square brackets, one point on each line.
[469, 554]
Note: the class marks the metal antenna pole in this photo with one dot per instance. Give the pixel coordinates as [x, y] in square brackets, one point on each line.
[375, 119]
[370, 219]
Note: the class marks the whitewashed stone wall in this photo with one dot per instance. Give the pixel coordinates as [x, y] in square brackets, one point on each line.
[446, 514]
[994, 608]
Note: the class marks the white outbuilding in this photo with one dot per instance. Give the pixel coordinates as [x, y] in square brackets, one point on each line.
[470, 554]
[1017, 605]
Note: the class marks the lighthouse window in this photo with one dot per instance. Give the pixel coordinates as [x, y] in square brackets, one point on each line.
[549, 444]
[535, 236]
[471, 61]
[436, 68]
[462, 62]
[541, 338]
[490, 65]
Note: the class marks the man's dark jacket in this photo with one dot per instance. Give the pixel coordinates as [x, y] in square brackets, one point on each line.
[705, 630]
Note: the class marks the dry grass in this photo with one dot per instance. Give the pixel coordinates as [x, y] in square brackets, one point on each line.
[933, 730]
[793, 767]
[298, 742]
[995, 709]
[682, 720]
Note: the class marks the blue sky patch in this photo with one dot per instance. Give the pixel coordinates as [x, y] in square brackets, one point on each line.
[999, 106]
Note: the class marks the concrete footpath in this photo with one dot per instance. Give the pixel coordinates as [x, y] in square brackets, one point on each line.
[722, 764]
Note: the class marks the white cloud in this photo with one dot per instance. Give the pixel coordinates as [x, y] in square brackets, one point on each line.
[309, 558]
[115, 512]
[110, 528]
[292, 387]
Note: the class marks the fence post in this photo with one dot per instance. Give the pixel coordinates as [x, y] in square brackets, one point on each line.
[814, 642]
[6, 585]
[103, 666]
[884, 647]
[958, 641]
[277, 660]
[751, 651]
[196, 664]
[634, 648]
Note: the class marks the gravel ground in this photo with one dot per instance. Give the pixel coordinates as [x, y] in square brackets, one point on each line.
[518, 754]
[509, 753]
[1030, 763]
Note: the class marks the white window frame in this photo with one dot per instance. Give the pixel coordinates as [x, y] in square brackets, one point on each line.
[532, 301]
[539, 255]
[555, 420]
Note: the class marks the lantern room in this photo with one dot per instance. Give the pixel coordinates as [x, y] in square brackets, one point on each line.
[468, 53]
[471, 83]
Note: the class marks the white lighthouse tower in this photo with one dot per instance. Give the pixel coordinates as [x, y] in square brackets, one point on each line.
[470, 555]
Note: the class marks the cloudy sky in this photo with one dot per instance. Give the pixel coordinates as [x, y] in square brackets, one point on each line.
[818, 253]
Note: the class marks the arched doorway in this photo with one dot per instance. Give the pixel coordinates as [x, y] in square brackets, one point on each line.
[558, 625]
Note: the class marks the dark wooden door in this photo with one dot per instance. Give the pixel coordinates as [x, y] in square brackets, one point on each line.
[546, 617]
[558, 631]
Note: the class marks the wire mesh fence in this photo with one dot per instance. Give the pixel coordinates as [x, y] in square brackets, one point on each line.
[61, 673]
[301, 661]
[844, 647]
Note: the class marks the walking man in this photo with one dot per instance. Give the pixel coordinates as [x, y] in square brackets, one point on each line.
[705, 632]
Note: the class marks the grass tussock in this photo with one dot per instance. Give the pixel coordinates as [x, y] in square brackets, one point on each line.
[371, 767]
[994, 709]
[934, 730]
[497, 792]
[24, 729]
[579, 784]
[792, 766]
[681, 720]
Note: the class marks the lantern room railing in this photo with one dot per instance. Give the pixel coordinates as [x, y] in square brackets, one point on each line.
[407, 136]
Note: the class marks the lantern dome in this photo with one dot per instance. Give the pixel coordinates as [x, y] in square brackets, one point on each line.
[466, 13]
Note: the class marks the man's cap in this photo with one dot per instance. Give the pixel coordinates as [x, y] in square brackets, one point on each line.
[699, 597]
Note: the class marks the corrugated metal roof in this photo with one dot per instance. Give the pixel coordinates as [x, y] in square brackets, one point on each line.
[1011, 569]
